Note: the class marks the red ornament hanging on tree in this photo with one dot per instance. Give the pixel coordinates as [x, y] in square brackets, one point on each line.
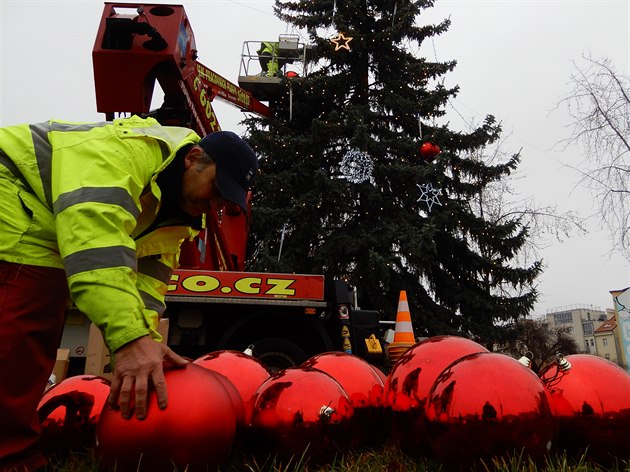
[429, 151]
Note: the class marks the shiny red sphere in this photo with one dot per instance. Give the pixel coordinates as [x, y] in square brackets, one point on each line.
[429, 151]
[69, 412]
[365, 388]
[488, 405]
[383, 377]
[244, 371]
[357, 377]
[298, 408]
[235, 397]
[592, 403]
[195, 432]
[410, 381]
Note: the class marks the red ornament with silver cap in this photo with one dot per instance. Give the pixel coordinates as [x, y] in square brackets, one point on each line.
[301, 410]
[591, 398]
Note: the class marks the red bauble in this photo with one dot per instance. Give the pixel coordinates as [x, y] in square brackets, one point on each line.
[592, 403]
[235, 397]
[383, 377]
[410, 381]
[196, 431]
[245, 372]
[429, 151]
[487, 405]
[291, 74]
[69, 412]
[365, 388]
[358, 378]
[299, 408]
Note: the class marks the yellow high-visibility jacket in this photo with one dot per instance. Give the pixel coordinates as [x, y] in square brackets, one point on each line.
[80, 197]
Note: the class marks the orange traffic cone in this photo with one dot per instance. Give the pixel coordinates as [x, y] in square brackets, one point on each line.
[403, 333]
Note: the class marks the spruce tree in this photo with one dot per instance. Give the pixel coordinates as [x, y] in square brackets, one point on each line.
[344, 191]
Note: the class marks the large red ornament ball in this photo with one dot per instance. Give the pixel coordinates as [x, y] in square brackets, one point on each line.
[69, 411]
[429, 151]
[365, 388]
[244, 371]
[488, 405]
[358, 378]
[410, 381]
[235, 397]
[195, 432]
[592, 404]
[301, 410]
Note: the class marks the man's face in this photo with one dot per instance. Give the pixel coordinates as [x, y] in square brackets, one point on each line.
[199, 191]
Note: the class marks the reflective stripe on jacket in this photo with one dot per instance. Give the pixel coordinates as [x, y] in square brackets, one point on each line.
[80, 196]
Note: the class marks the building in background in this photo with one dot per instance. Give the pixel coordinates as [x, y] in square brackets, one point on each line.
[621, 300]
[598, 332]
[595, 331]
[581, 322]
[606, 344]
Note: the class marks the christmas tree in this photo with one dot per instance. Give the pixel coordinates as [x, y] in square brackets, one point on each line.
[347, 190]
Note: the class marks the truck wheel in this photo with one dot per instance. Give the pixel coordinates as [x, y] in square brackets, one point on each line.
[277, 353]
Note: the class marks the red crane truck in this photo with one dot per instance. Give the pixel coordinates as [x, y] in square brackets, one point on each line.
[212, 303]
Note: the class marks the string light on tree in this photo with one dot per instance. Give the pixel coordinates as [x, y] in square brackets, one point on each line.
[341, 41]
[357, 166]
[429, 195]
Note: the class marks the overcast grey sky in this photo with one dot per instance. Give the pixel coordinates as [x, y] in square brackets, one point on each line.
[514, 57]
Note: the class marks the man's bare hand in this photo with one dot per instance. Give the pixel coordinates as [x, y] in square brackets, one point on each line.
[138, 365]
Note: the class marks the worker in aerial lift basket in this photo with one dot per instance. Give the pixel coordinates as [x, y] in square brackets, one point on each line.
[270, 60]
[97, 212]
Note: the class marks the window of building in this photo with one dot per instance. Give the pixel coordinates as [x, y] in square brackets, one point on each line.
[588, 328]
[592, 342]
[605, 342]
[563, 317]
[586, 344]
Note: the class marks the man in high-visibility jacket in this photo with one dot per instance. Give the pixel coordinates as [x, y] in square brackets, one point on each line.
[98, 212]
[268, 58]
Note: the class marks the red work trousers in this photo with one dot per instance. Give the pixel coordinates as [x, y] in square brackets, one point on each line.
[32, 305]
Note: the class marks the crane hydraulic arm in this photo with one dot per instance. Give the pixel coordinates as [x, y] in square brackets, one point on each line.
[136, 45]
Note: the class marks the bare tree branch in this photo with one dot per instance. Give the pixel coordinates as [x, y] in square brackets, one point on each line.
[599, 106]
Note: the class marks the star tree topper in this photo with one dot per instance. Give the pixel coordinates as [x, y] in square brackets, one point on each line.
[429, 195]
[339, 39]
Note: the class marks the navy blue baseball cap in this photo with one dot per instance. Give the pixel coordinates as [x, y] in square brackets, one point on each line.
[236, 165]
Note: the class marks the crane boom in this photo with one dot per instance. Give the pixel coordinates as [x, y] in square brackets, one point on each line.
[139, 44]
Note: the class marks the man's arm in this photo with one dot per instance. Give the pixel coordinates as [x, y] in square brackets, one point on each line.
[98, 180]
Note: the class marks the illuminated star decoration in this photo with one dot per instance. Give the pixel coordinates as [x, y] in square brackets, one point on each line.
[339, 39]
[429, 195]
